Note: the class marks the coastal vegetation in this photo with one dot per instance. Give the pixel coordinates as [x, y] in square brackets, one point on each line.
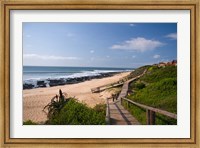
[29, 122]
[99, 72]
[75, 113]
[63, 110]
[138, 71]
[157, 88]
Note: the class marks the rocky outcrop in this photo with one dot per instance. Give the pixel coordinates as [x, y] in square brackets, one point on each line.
[28, 86]
[64, 81]
[41, 84]
[57, 82]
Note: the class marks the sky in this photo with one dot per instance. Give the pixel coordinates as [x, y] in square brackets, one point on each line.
[122, 45]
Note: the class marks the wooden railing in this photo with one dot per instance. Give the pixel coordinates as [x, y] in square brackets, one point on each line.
[151, 112]
[115, 84]
[107, 86]
[107, 112]
[125, 86]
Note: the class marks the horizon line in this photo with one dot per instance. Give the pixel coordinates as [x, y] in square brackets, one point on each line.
[79, 66]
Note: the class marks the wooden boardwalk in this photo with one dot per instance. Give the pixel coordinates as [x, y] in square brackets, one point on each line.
[117, 113]
[104, 87]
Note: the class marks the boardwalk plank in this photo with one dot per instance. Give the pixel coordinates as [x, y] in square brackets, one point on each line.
[118, 114]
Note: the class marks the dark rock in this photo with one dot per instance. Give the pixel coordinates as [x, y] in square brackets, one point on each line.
[57, 82]
[28, 86]
[62, 81]
[41, 84]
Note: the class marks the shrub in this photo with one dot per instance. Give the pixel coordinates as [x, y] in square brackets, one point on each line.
[161, 92]
[56, 104]
[75, 113]
[157, 74]
[139, 85]
[100, 108]
[138, 71]
[29, 122]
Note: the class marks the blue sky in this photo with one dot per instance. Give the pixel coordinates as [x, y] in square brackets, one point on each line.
[127, 45]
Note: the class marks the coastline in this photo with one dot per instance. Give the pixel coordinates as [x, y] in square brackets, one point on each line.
[35, 99]
[65, 81]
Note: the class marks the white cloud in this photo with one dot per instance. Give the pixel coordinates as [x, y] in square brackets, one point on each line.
[133, 56]
[91, 51]
[165, 60]
[107, 56]
[138, 44]
[156, 56]
[47, 57]
[132, 25]
[172, 36]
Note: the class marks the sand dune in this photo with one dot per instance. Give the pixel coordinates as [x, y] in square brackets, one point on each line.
[34, 100]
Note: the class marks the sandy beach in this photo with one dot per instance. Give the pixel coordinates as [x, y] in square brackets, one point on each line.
[34, 100]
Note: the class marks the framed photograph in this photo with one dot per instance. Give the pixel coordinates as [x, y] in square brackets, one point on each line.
[99, 72]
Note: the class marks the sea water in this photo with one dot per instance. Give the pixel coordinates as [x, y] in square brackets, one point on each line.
[32, 74]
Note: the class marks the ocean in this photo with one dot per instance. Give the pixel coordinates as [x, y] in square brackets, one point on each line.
[33, 74]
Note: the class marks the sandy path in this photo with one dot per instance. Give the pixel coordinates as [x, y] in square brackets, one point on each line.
[35, 99]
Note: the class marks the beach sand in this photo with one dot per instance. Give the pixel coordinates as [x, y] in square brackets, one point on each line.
[34, 100]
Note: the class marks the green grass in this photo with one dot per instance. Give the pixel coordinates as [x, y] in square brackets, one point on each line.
[137, 85]
[138, 71]
[63, 110]
[155, 74]
[160, 94]
[137, 112]
[29, 122]
[75, 113]
[157, 88]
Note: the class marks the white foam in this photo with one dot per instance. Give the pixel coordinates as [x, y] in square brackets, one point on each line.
[65, 76]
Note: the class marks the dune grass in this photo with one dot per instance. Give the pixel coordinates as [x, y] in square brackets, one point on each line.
[75, 113]
[29, 122]
[157, 88]
[64, 110]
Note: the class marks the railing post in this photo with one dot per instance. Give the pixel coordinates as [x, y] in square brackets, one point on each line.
[128, 104]
[152, 118]
[107, 112]
[150, 115]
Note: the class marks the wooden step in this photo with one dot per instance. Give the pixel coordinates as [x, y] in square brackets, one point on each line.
[119, 115]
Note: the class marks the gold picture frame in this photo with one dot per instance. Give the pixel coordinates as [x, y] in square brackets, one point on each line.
[7, 5]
